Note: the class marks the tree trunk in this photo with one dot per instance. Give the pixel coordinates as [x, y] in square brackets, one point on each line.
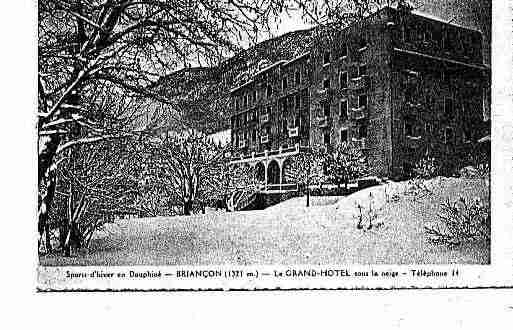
[48, 145]
[187, 207]
[308, 196]
[46, 201]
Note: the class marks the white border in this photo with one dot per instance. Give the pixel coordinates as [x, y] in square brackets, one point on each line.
[437, 309]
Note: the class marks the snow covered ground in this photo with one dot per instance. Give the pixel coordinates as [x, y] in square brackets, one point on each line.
[290, 233]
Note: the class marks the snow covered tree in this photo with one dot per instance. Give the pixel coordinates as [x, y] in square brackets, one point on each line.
[346, 162]
[95, 182]
[187, 167]
[306, 169]
[86, 47]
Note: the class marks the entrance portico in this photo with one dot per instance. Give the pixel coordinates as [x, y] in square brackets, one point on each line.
[269, 169]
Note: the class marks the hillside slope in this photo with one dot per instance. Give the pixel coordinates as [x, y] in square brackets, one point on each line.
[201, 95]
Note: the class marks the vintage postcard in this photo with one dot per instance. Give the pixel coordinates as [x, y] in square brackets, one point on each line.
[272, 144]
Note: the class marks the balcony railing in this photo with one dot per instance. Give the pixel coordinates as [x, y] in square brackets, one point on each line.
[268, 153]
[360, 143]
[264, 118]
[359, 82]
[413, 105]
[413, 141]
[358, 113]
[264, 138]
[294, 131]
[325, 121]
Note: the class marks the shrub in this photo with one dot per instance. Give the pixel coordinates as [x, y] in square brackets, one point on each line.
[461, 221]
[426, 168]
[368, 216]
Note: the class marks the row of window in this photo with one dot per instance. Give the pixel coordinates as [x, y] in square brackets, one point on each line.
[328, 56]
[412, 130]
[252, 135]
[343, 77]
[451, 40]
[243, 118]
[359, 133]
[252, 97]
[343, 106]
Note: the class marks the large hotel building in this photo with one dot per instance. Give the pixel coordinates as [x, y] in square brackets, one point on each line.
[398, 85]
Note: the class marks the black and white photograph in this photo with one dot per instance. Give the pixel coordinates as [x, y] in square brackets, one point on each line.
[253, 140]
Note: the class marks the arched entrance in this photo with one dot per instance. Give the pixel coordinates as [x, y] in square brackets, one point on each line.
[288, 172]
[260, 172]
[273, 172]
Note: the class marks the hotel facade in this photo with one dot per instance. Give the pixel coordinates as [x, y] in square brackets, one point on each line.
[398, 85]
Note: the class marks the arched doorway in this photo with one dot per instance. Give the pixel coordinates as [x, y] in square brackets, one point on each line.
[273, 172]
[288, 172]
[260, 172]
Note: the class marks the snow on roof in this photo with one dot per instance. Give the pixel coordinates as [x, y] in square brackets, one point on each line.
[438, 19]
[297, 58]
[256, 74]
[269, 67]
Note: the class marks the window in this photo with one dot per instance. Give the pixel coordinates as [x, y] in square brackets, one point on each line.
[254, 96]
[428, 128]
[326, 83]
[449, 135]
[446, 77]
[269, 91]
[428, 34]
[298, 101]
[285, 128]
[343, 78]
[326, 58]
[298, 77]
[448, 107]
[343, 135]
[326, 109]
[362, 130]
[284, 83]
[343, 109]
[343, 51]
[362, 70]
[362, 43]
[254, 135]
[297, 121]
[362, 100]
[327, 138]
[285, 105]
[410, 92]
[467, 135]
[450, 40]
[409, 128]
[411, 34]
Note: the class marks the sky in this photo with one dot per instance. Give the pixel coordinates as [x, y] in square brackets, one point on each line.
[457, 11]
